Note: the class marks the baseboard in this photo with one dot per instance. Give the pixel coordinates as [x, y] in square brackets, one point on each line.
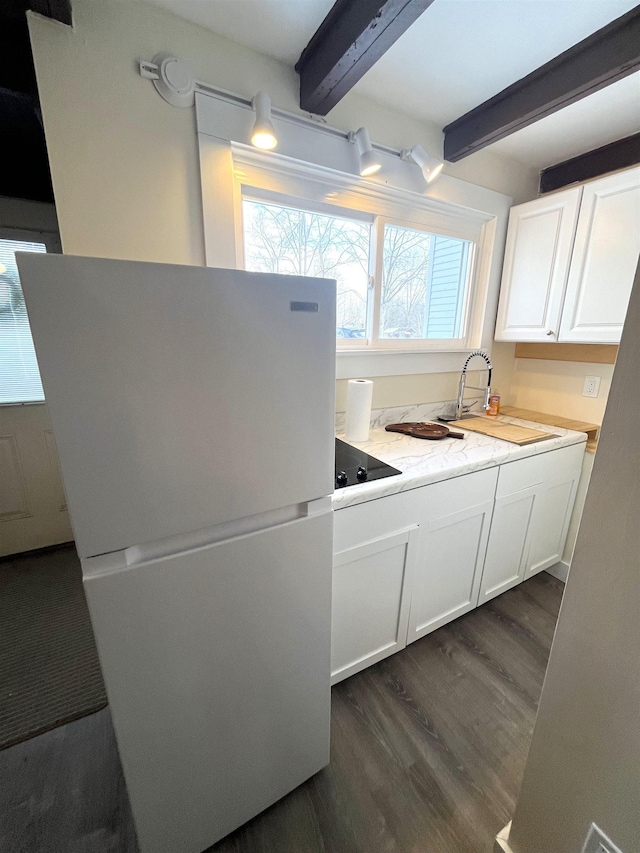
[5, 558]
[559, 570]
[501, 844]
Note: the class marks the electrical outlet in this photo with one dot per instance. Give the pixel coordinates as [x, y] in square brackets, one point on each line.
[597, 842]
[591, 386]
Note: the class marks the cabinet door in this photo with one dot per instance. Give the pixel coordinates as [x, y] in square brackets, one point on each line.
[509, 540]
[549, 523]
[447, 578]
[536, 265]
[604, 260]
[370, 602]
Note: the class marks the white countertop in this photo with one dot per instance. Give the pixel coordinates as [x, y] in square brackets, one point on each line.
[423, 462]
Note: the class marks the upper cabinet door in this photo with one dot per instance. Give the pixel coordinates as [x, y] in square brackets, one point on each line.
[536, 265]
[604, 261]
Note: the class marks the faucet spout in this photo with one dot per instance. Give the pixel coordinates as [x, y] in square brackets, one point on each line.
[463, 381]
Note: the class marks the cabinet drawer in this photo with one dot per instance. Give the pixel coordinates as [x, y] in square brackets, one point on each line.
[354, 525]
[525, 473]
[457, 494]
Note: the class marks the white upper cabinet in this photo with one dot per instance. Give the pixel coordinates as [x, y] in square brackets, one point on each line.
[536, 265]
[604, 262]
[570, 262]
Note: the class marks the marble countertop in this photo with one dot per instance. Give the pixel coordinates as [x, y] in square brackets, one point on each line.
[423, 462]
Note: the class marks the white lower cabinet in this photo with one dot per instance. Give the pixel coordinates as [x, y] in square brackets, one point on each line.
[534, 500]
[506, 558]
[370, 602]
[550, 523]
[408, 563]
[454, 529]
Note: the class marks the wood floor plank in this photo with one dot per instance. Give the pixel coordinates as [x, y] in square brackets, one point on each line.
[427, 754]
[64, 791]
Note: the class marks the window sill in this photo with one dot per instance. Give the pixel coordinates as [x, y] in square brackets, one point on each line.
[358, 363]
[25, 403]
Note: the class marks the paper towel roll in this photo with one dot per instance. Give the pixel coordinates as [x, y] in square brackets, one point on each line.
[358, 417]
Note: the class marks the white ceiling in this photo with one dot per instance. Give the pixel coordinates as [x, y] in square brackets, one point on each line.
[454, 57]
[279, 28]
[607, 115]
[461, 52]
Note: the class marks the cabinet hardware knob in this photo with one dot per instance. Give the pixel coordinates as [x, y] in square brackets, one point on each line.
[550, 333]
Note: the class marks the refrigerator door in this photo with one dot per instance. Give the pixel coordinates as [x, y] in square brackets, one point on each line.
[216, 663]
[181, 397]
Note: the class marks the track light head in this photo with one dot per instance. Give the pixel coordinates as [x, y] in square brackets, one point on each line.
[431, 166]
[263, 134]
[369, 160]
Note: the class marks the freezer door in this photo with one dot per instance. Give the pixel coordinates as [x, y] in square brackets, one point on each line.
[181, 397]
[216, 663]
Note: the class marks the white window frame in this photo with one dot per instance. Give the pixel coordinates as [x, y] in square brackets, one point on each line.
[422, 344]
[378, 222]
[311, 157]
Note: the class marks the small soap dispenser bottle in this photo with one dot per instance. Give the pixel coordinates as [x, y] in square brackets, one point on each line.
[494, 405]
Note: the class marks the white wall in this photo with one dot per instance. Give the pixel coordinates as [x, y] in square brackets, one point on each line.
[584, 762]
[556, 387]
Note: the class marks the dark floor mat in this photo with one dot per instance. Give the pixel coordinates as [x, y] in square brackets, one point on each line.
[49, 670]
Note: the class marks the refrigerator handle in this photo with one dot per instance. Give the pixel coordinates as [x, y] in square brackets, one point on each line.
[134, 555]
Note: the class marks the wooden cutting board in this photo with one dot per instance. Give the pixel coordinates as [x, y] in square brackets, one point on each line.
[503, 431]
[591, 430]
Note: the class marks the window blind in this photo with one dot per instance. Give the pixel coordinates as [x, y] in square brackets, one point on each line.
[19, 374]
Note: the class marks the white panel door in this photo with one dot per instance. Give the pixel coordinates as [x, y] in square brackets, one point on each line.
[446, 581]
[217, 668]
[549, 523]
[604, 261]
[536, 265]
[371, 596]
[33, 507]
[508, 548]
[182, 397]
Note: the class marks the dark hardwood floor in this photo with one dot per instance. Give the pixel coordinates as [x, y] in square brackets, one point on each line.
[428, 750]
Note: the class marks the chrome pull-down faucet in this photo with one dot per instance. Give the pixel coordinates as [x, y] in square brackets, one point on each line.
[463, 382]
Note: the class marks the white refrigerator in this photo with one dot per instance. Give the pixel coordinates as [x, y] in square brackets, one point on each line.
[193, 415]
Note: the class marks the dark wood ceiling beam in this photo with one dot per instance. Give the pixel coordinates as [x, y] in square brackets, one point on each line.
[617, 155]
[605, 56]
[350, 40]
[59, 10]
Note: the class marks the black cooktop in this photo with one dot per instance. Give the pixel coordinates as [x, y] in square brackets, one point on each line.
[354, 466]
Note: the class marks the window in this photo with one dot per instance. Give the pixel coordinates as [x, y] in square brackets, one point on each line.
[299, 242]
[399, 287]
[19, 375]
[451, 308]
[424, 285]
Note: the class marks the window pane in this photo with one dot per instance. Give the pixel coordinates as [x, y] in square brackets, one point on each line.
[19, 375]
[298, 242]
[424, 284]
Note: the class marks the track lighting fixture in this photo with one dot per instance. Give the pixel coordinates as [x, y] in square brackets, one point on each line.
[431, 166]
[263, 134]
[174, 82]
[369, 160]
